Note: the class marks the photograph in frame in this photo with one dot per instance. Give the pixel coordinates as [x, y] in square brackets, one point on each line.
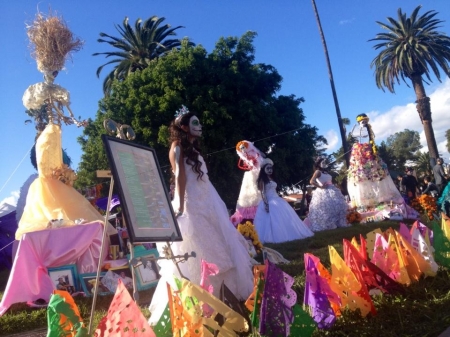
[87, 282]
[65, 278]
[111, 278]
[145, 201]
[147, 275]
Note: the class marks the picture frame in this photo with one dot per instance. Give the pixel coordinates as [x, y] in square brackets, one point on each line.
[145, 201]
[111, 278]
[87, 282]
[147, 276]
[65, 278]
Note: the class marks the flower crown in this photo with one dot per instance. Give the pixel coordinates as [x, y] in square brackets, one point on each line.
[181, 112]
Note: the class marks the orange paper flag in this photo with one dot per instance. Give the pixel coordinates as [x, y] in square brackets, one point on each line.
[345, 284]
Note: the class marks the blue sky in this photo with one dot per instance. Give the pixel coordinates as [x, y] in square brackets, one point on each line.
[288, 39]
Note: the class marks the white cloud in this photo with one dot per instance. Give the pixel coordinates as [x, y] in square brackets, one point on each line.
[333, 140]
[12, 199]
[399, 118]
[345, 22]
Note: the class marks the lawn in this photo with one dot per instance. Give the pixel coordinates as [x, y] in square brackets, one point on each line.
[423, 309]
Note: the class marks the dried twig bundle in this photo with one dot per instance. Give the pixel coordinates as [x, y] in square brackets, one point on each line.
[51, 42]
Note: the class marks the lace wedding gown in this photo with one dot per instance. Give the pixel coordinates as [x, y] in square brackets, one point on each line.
[328, 208]
[206, 230]
[281, 224]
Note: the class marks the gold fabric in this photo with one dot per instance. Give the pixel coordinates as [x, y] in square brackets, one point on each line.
[49, 198]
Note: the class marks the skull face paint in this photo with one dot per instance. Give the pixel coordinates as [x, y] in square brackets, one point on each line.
[268, 169]
[195, 128]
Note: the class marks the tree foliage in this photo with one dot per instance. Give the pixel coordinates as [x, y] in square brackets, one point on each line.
[137, 47]
[402, 147]
[235, 99]
[408, 50]
[447, 136]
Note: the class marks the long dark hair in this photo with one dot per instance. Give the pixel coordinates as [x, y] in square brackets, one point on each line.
[190, 150]
[317, 163]
[263, 177]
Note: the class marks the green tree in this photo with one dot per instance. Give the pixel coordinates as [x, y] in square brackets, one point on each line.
[403, 146]
[409, 48]
[447, 136]
[234, 98]
[422, 165]
[137, 48]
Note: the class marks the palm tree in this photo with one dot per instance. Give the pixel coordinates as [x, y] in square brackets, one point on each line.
[409, 48]
[333, 89]
[137, 47]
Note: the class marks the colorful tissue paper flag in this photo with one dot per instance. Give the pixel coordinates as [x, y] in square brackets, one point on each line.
[124, 317]
[253, 303]
[367, 273]
[362, 248]
[405, 232]
[163, 327]
[63, 316]
[276, 314]
[441, 246]
[356, 264]
[403, 277]
[227, 297]
[183, 322]
[191, 321]
[385, 258]
[325, 279]
[315, 299]
[424, 230]
[370, 241]
[303, 324]
[345, 284]
[207, 270]
[445, 225]
[419, 244]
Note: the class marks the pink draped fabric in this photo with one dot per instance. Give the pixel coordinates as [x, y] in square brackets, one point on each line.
[37, 251]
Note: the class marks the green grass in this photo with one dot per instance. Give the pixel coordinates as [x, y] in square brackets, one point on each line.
[423, 309]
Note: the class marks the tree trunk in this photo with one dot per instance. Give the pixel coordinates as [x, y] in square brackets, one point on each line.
[336, 103]
[424, 109]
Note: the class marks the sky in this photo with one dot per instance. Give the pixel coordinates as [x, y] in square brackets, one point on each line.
[287, 38]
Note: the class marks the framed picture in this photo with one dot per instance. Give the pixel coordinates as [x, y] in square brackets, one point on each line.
[65, 278]
[146, 270]
[113, 275]
[145, 201]
[88, 284]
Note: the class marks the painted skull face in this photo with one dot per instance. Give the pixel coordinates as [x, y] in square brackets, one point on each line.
[323, 164]
[195, 128]
[268, 169]
[364, 122]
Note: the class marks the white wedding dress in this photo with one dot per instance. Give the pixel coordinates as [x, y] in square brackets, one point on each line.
[281, 224]
[207, 230]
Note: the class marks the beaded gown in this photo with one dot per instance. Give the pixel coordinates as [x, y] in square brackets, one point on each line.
[328, 208]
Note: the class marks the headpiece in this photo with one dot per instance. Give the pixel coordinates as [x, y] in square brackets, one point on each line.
[179, 113]
[250, 157]
[361, 117]
[267, 161]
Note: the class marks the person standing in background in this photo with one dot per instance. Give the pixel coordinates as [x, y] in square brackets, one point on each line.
[439, 175]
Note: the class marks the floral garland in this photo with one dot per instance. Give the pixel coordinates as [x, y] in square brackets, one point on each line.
[247, 229]
[425, 204]
[353, 216]
[365, 165]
